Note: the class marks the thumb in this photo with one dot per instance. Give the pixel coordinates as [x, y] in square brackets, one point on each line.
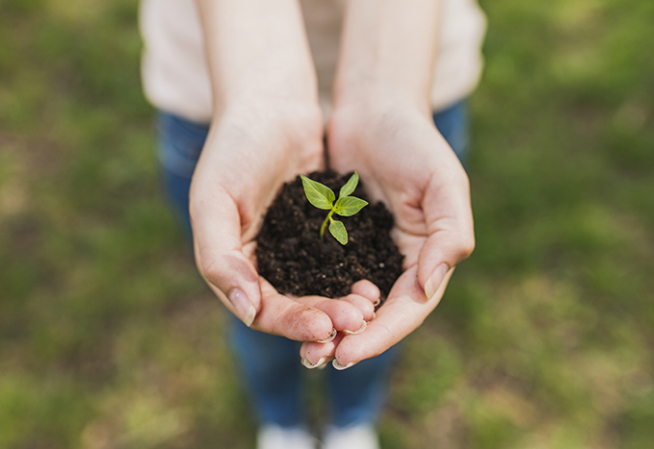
[438, 256]
[219, 255]
[450, 237]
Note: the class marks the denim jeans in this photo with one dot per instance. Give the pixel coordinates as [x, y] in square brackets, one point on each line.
[270, 365]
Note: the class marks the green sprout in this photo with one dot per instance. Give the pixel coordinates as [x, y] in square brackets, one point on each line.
[323, 198]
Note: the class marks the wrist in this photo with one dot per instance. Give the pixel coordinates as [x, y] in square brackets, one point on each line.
[375, 99]
[284, 98]
[275, 122]
[367, 125]
[259, 107]
[361, 114]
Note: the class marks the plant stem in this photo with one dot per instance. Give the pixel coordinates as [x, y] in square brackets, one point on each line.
[324, 223]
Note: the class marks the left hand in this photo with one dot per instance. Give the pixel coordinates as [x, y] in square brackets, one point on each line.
[405, 163]
[250, 152]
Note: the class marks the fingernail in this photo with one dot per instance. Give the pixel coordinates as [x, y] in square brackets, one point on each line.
[340, 367]
[435, 280]
[310, 365]
[331, 337]
[376, 303]
[358, 331]
[244, 308]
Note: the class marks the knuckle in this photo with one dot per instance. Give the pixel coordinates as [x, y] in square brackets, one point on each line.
[365, 306]
[305, 324]
[464, 179]
[347, 316]
[467, 246]
[210, 271]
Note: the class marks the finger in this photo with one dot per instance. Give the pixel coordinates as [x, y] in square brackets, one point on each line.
[344, 315]
[364, 305]
[280, 315]
[233, 277]
[404, 310]
[450, 231]
[317, 355]
[368, 290]
[219, 255]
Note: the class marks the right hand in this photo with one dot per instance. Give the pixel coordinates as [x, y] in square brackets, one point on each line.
[251, 150]
[408, 165]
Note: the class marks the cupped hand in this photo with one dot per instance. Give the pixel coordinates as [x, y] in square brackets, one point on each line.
[249, 153]
[405, 163]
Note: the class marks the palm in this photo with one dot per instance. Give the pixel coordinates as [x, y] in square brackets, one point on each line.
[236, 179]
[405, 163]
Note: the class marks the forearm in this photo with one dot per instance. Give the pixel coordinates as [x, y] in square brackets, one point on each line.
[257, 49]
[387, 53]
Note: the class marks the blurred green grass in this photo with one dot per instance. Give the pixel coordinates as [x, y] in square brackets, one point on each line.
[108, 338]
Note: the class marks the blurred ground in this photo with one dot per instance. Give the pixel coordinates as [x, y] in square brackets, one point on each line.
[108, 338]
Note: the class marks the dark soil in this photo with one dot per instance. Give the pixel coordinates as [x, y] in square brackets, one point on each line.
[295, 260]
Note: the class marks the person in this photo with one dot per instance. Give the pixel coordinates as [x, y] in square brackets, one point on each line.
[243, 104]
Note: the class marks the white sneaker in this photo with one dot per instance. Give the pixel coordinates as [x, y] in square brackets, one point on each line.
[355, 437]
[275, 437]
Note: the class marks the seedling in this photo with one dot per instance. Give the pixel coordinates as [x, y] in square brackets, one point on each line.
[323, 198]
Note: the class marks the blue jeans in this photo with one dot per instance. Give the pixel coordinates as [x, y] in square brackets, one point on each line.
[270, 364]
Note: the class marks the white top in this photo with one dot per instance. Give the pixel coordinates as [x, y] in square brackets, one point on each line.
[176, 77]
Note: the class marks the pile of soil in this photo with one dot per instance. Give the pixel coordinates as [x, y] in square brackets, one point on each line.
[295, 260]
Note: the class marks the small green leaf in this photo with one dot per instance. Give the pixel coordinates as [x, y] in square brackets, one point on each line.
[349, 186]
[318, 194]
[349, 205]
[337, 229]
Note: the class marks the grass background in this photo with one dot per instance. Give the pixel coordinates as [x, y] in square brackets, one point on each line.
[109, 339]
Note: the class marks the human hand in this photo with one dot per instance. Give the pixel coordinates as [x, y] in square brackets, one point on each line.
[250, 152]
[404, 162]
